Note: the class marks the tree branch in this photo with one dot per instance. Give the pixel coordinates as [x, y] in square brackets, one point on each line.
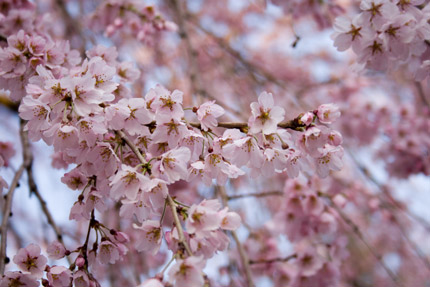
[356, 230]
[34, 190]
[178, 225]
[242, 253]
[274, 260]
[294, 124]
[256, 194]
[8, 202]
[196, 81]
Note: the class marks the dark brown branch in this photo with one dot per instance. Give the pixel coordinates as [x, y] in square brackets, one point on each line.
[6, 214]
[255, 194]
[274, 260]
[294, 124]
[34, 190]
[8, 200]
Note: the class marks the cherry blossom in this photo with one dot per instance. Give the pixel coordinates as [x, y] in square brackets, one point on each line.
[207, 114]
[167, 166]
[152, 235]
[30, 260]
[265, 115]
[187, 272]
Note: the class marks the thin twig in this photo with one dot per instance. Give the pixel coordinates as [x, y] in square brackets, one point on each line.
[34, 190]
[73, 27]
[246, 63]
[8, 202]
[6, 213]
[274, 260]
[196, 81]
[424, 259]
[294, 124]
[242, 253]
[178, 225]
[390, 200]
[132, 146]
[393, 203]
[256, 194]
[356, 230]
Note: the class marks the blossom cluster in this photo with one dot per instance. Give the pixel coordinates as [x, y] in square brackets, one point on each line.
[321, 11]
[387, 35]
[18, 61]
[409, 144]
[129, 150]
[130, 18]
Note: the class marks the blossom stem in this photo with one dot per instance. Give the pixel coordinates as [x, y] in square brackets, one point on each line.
[178, 225]
[132, 146]
[164, 212]
[168, 264]
[85, 246]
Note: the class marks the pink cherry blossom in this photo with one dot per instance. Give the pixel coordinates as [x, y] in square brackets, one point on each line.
[59, 276]
[230, 220]
[330, 159]
[30, 260]
[80, 279]
[127, 182]
[348, 33]
[167, 105]
[56, 250]
[151, 236]
[173, 164]
[16, 278]
[265, 115]
[328, 113]
[207, 114]
[6, 152]
[204, 217]
[187, 272]
[107, 252]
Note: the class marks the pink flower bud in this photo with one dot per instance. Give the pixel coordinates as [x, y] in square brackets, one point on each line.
[80, 261]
